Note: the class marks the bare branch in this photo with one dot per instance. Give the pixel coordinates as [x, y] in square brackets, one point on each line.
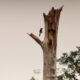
[35, 38]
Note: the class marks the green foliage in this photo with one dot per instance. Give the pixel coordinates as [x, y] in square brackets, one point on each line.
[32, 78]
[72, 62]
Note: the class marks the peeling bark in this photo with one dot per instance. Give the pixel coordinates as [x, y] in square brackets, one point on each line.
[50, 43]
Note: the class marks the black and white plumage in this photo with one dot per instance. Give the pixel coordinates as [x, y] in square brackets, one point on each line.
[40, 31]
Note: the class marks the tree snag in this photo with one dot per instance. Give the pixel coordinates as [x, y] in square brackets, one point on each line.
[49, 43]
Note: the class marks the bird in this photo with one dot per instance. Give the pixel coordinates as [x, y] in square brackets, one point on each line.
[40, 31]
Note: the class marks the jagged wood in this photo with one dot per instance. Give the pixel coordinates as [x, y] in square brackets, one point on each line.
[49, 43]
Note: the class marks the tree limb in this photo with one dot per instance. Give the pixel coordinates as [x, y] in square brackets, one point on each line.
[35, 38]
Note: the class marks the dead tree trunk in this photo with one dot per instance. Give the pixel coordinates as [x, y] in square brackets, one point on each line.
[50, 43]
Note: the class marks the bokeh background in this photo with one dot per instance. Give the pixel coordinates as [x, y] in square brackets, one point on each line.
[20, 55]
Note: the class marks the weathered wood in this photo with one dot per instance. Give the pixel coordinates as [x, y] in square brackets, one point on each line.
[49, 43]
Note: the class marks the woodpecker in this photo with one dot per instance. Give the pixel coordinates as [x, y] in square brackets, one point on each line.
[40, 31]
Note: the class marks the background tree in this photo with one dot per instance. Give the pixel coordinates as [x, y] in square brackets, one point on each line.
[72, 64]
[32, 78]
[49, 44]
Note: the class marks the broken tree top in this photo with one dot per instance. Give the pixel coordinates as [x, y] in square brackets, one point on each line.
[53, 13]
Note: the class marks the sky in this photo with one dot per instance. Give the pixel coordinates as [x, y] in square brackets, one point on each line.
[19, 53]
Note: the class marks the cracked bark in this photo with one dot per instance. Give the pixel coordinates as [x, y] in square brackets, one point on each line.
[49, 44]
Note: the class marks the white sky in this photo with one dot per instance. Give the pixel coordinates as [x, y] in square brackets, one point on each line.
[20, 54]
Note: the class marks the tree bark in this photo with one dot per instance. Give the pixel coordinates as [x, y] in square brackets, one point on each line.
[50, 43]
